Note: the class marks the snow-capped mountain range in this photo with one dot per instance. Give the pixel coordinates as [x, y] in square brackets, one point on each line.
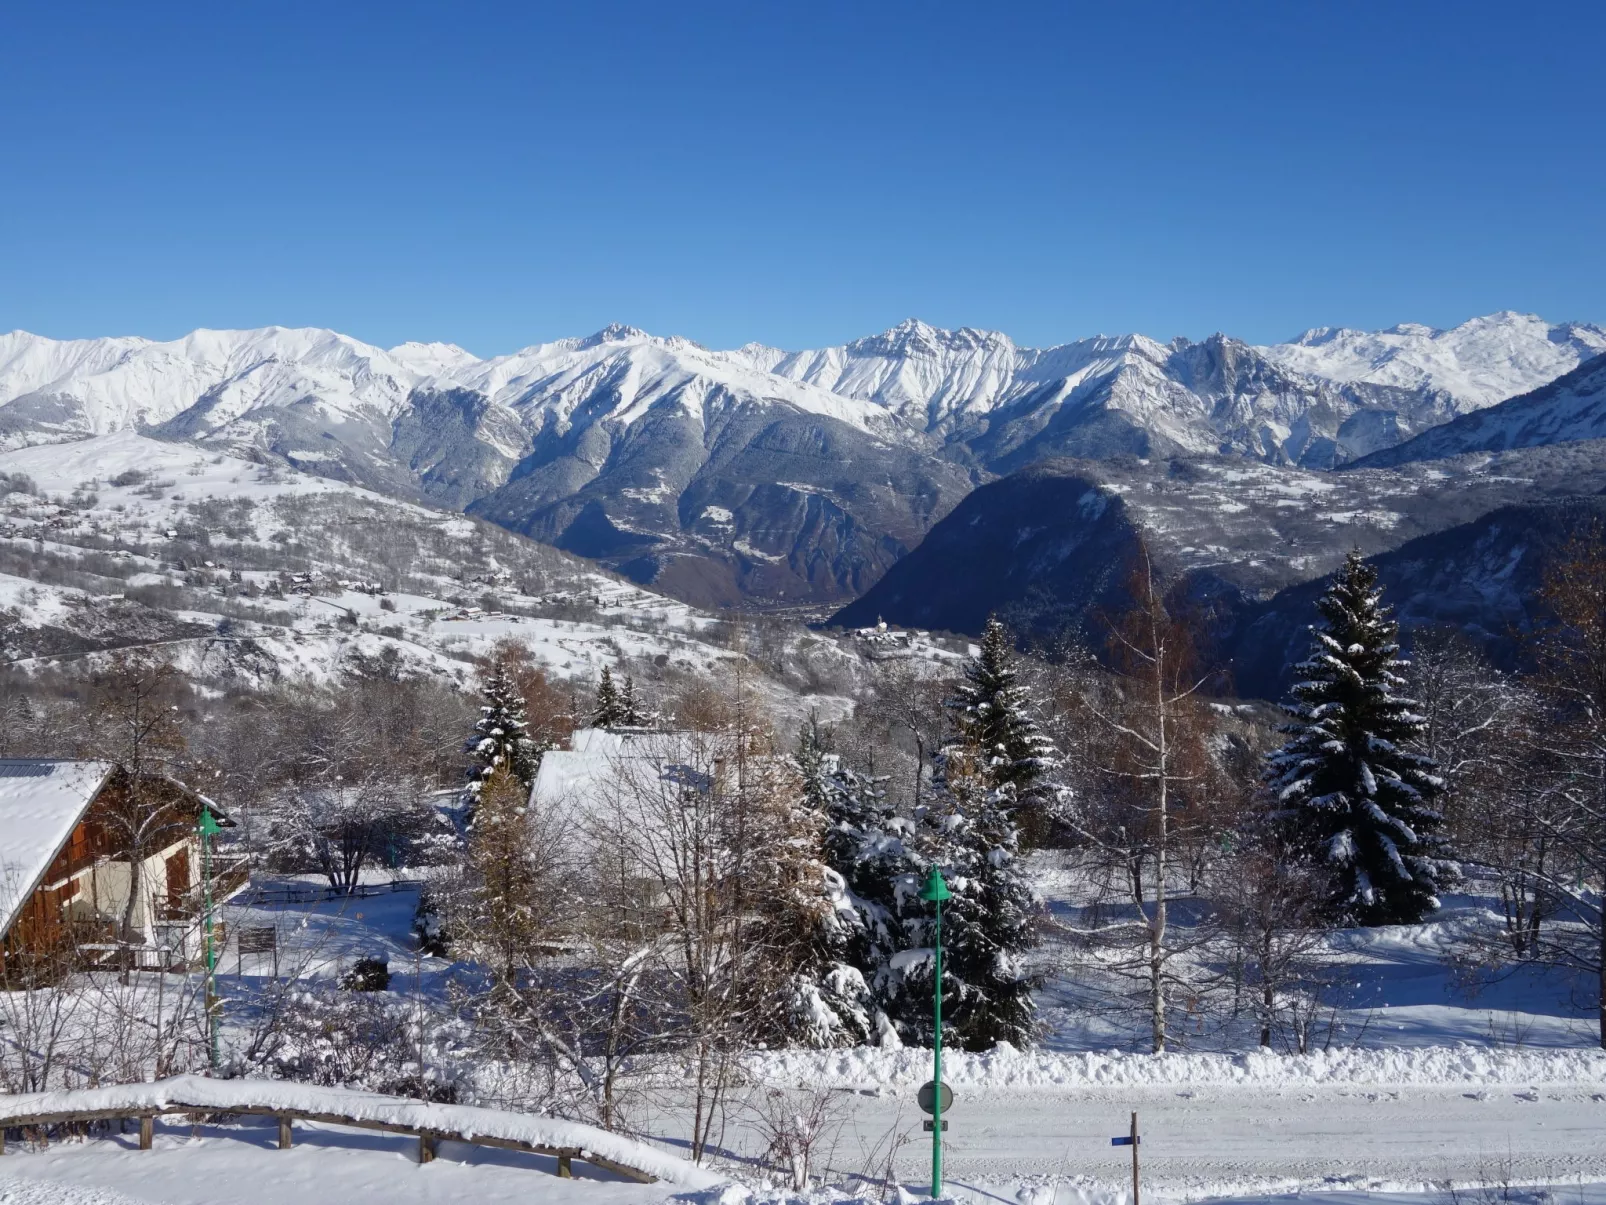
[759, 473]
[1570, 408]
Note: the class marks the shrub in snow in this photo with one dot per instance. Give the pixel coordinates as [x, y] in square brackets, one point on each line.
[367, 975]
[1349, 794]
[368, 1040]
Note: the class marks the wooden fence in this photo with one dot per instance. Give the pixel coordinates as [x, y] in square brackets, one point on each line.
[428, 1138]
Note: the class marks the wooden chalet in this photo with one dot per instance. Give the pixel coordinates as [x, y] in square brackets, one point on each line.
[70, 835]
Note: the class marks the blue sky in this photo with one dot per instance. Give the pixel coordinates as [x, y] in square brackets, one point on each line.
[800, 173]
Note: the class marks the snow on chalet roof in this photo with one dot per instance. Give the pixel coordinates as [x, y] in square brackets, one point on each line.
[578, 776]
[582, 779]
[40, 802]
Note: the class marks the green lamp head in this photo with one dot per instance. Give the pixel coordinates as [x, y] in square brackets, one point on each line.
[935, 890]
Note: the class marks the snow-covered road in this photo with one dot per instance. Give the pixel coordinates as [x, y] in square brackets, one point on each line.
[1213, 1141]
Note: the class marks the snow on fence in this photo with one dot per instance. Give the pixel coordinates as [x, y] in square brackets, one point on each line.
[291, 1102]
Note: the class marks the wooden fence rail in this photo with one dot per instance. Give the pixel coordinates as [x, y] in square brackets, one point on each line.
[428, 1138]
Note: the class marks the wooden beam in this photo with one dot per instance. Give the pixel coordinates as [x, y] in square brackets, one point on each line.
[564, 1155]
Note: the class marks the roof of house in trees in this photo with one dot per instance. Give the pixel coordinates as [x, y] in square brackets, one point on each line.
[41, 801]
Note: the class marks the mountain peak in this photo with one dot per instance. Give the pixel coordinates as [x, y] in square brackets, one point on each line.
[912, 337]
[614, 332]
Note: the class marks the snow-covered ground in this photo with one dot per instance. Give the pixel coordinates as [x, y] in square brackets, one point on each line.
[1502, 1087]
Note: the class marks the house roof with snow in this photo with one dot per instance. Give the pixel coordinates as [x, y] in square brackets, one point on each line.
[41, 802]
[579, 776]
[589, 776]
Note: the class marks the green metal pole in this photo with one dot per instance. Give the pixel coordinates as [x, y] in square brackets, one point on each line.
[936, 1076]
[208, 826]
[936, 891]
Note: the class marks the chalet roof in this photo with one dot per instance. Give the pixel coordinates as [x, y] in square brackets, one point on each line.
[41, 801]
[582, 779]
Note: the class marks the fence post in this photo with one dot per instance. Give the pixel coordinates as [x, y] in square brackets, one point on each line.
[565, 1170]
[1135, 1139]
[426, 1147]
[146, 1124]
[284, 1132]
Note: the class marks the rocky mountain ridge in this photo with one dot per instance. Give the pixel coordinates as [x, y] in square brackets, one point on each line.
[755, 475]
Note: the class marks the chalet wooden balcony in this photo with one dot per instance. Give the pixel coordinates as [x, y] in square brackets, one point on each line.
[229, 875]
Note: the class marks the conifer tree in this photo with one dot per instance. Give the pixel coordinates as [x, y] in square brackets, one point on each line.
[971, 833]
[630, 707]
[501, 739]
[864, 849]
[1349, 794]
[503, 916]
[992, 716]
[828, 998]
[610, 710]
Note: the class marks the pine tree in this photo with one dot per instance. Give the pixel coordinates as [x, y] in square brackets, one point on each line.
[970, 831]
[865, 862]
[992, 716]
[989, 773]
[502, 921]
[501, 739]
[1350, 796]
[610, 709]
[630, 708]
[811, 919]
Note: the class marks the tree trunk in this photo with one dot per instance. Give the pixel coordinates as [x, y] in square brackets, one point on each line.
[1601, 929]
[1162, 837]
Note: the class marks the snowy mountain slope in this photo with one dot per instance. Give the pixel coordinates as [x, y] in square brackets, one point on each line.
[1479, 363]
[1572, 407]
[1481, 578]
[606, 432]
[1048, 547]
[755, 475]
[52, 389]
[249, 572]
[1010, 405]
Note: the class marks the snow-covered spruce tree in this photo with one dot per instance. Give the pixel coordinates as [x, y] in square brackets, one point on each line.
[988, 927]
[989, 773]
[630, 707]
[1349, 795]
[501, 739]
[992, 714]
[863, 864]
[610, 709]
[811, 920]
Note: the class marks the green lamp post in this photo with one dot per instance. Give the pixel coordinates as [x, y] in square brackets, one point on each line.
[936, 891]
[208, 827]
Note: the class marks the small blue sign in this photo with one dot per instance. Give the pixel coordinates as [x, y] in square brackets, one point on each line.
[1122, 1141]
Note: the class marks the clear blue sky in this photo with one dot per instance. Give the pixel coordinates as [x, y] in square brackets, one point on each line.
[798, 173]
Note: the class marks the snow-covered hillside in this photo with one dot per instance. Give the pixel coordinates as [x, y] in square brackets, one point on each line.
[229, 380]
[949, 382]
[1570, 408]
[252, 573]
